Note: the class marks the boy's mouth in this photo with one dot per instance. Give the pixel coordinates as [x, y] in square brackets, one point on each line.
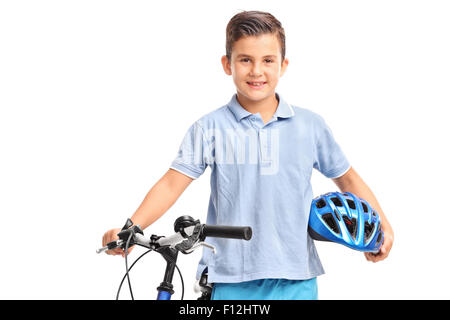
[256, 84]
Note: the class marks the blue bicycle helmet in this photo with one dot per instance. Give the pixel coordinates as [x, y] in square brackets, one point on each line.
[346, 219]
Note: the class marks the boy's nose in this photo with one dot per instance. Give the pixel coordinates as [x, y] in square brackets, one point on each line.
[256, 70]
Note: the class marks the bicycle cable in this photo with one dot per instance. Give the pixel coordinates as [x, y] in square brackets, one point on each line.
[126, 264]
[124, 276]
[127, 275]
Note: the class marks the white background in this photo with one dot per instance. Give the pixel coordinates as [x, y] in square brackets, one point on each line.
[96, 97]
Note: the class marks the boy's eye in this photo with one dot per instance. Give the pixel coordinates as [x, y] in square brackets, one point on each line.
[265, 60]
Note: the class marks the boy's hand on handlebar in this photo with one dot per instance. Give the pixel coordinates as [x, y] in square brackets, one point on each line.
[111, 235]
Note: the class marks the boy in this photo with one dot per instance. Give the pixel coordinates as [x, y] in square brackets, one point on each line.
[261, 151]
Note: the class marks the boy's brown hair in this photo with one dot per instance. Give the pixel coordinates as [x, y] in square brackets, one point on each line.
[253, 23]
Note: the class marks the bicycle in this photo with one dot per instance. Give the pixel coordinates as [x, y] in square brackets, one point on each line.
[189, 235]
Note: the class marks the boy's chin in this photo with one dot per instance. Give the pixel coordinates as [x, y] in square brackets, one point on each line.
[256, 96]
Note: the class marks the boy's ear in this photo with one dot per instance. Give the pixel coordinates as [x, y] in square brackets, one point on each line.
[226, 65]
[284, 66]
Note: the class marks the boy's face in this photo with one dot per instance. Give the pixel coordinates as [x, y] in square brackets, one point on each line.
[255, 66]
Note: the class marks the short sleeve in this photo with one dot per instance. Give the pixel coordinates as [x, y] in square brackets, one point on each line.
[329, 158]
[191, 159]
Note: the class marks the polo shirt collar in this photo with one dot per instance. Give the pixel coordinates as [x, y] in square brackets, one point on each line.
[284, 110]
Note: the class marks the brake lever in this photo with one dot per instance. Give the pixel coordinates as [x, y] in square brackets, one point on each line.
[202, 244]
[193, 242]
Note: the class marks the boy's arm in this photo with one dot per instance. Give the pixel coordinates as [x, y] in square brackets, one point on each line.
[160, 198]
[157, 201]
[352, 182]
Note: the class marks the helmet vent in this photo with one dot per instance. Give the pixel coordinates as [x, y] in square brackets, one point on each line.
[320, 204]
[336, 202]
[351, 204]
[368, 230]
[365, 207]
[351, 226]
[379, 234]
[330, 222]
[378, 239]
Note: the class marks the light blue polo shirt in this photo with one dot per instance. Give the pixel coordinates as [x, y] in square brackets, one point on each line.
[260, 177]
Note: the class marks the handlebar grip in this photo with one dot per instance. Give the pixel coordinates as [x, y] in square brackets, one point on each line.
[227, 232]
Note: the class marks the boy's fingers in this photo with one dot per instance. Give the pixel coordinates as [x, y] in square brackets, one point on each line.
[108, 237]
[114, 252]
[369, 256]
[119, 251]
[376, 257]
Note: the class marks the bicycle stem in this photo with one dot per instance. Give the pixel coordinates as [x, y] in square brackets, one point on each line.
[165, 289]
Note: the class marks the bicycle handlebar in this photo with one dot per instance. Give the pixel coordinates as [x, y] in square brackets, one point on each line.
[189, 235]
[229, 232]
[184, 240]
